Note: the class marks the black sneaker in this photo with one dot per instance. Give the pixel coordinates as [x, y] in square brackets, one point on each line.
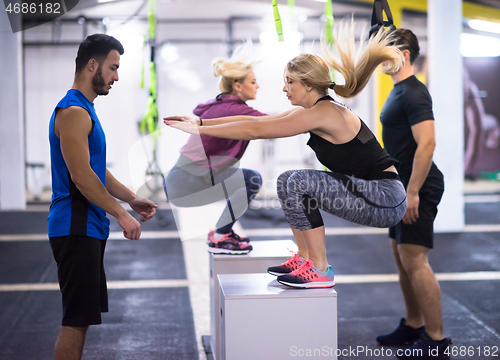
[426, 349]
[403, 335]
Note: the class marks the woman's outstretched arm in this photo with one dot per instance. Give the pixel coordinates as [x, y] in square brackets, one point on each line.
[246, 128]
[227, 119]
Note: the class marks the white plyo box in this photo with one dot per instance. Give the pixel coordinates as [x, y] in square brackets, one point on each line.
[263, 319]
[265, 253]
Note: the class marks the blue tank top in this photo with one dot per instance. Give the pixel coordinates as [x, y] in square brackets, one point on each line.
[70, 212]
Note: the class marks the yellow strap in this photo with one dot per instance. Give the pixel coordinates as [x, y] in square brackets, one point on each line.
[329, 22]
[277, 21]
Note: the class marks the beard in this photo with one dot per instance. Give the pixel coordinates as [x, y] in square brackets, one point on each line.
[98, 83]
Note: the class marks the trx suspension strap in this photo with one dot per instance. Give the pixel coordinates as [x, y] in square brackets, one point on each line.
[329, 22]
[291, 8]
[329, 28]
[277, 21]
[329, 36]
[378, 22]
[149, 121]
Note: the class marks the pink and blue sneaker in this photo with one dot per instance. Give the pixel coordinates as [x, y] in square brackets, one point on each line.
[227, 244]
[287, 267]
[308, 276]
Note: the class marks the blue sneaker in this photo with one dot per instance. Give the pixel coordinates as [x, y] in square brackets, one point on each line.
[308, 276]
[403, 335]
[426, 349]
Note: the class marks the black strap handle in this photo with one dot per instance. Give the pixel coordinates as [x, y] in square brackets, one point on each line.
[378, 22]
[377, 15]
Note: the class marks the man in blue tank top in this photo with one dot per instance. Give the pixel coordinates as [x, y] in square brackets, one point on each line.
[83, 191]
[408, 134]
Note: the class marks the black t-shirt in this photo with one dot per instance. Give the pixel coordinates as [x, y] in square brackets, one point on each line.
[408, 104]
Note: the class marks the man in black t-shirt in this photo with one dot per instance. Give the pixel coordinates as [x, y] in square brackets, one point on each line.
[408, 135]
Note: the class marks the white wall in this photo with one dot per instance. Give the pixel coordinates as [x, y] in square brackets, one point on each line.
[446, 88]
[49, 74]
[12, 185]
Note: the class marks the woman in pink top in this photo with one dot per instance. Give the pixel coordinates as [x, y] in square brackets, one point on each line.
[208, 161]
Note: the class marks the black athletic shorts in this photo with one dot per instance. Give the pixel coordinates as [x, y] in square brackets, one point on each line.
[422, 231]
[81, 277]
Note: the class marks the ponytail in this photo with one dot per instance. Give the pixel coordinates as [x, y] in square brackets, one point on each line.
[357, 64]
[234, 69]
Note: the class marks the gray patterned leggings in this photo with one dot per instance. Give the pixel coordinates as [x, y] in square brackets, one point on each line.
[378, 203]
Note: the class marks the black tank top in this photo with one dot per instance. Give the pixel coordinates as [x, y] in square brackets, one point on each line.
[362, 157]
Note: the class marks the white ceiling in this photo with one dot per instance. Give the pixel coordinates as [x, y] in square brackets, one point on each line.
[206, 9]
[190, 19]
[222, 9]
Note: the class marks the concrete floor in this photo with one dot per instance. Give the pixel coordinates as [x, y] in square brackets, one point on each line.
[159, 295]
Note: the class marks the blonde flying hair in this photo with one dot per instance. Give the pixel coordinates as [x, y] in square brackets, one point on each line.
[355, 63]
[234, 69]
